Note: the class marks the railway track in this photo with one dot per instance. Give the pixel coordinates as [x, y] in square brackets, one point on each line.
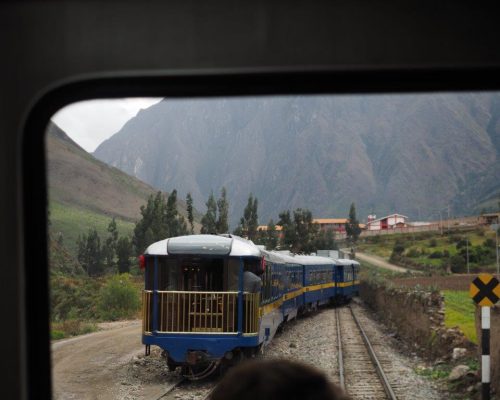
[361, 374]
[186, 389]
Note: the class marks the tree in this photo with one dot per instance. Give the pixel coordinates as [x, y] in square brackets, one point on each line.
[151, 226]
[238, 231]
[272, 235]
[352, 225]
[222, 225]
[109, 247]
[325, 240]
[170, 218]
[253, 218]
[189, 203]
[209, 220]
[123, 253]
[306, 231]
[159, 220]
[250, 220]
[90, 253]
[175, 224]
[301, 234]
[289, 238]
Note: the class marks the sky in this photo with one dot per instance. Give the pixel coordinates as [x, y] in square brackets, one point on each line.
[91, 122]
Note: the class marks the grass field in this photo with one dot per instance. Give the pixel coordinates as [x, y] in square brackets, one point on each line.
[419, 247]
[459, 311]
[74, 221]
[459, 307]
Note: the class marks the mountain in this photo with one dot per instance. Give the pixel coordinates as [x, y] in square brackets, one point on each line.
[412, 154]
[86, 193]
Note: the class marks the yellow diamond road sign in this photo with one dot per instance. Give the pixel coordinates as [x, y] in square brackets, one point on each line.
[485, 290]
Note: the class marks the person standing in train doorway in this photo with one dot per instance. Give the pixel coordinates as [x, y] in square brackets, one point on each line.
[251, 282]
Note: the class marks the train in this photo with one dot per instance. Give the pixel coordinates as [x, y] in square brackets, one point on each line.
[211, 300]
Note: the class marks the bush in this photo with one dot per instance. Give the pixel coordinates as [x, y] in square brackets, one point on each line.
[461, 243]
[73, 298]
[118, 298]
[374, 239]
[457, 264]
[432, 242]
[413, 252]
[490, 243]
[453, 239]
[71, 327]
[56, 335]
[436, 254]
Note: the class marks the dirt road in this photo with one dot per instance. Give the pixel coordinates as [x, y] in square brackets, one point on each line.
[98, 366]
[380, 262]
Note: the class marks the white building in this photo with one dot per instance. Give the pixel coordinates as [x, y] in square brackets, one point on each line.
[389, 222]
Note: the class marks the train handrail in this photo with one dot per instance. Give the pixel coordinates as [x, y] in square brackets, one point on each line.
[200, 312]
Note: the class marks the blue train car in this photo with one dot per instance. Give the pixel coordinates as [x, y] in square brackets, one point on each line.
[319, 280]
[211, 300]
[347, 279]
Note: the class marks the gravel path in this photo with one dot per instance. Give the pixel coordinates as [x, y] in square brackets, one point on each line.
[110, 364]
[398, 368]
[381, 263]
[313, 340]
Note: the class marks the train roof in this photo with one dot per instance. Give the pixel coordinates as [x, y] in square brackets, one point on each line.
[313, 260]
[280, 257]
[346, 261]
[229, 245]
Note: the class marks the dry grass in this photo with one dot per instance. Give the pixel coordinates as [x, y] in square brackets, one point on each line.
[447, 282]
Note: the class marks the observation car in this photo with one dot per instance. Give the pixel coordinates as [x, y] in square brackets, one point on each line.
[211, 300]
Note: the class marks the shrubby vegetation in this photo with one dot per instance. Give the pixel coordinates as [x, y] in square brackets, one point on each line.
[436, 253]
[97, 285]
[118, 298]
[77, 303]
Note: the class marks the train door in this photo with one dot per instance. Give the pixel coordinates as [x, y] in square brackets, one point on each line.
[202, 276]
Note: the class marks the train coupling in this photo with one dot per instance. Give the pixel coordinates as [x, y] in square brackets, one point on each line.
[196, 357]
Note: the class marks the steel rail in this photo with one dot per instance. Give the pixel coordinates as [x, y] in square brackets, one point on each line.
[209, 395]
[172, 388]
[339, 352]
[376, 362]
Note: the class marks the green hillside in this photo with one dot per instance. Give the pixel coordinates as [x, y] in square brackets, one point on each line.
[72, 221]
[86, 193]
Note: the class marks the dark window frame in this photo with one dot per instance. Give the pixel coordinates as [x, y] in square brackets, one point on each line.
[274, 81]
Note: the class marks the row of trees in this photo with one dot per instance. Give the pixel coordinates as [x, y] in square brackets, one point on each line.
[160, 219]
[113, 254]
[216, 219]
[299, 233]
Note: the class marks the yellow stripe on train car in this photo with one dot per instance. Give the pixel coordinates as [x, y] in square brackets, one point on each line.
[267, 308]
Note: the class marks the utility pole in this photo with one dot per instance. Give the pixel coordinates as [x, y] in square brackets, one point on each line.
[448, 218]
[496, 240]
[441, 222]
[496, 228]
[467, 247]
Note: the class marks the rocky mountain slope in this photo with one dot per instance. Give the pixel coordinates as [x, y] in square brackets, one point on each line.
[412, 154]
[85, 192]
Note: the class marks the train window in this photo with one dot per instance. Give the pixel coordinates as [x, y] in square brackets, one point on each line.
[232, 271]
[110, 198]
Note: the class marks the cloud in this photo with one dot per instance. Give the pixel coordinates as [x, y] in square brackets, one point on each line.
[91, 122]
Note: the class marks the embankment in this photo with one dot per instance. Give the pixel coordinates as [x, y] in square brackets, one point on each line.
[417, 316]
